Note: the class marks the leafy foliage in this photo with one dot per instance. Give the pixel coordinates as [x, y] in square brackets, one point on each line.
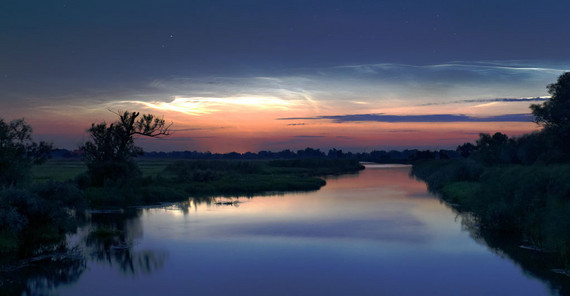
[18, 152]
[42, 214]
[555, 113]
[30, 216]
[438, 173]
[109, 154]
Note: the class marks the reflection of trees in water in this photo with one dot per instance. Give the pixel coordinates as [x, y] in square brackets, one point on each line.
[44, 260]
[185, 206]
[533, 262]
[235, 201]
[39, 274]
[111, 239]
[107, 237]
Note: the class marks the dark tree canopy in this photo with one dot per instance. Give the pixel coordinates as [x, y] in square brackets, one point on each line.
[550, 145]
[110, 152]
[18, 152]
[115, 142]
[466, 149]
[555, 113]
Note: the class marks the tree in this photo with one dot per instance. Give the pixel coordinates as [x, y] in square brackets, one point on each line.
[495, 149]
[109, 154]
[555, 113]
[18, 152]
[466, 149]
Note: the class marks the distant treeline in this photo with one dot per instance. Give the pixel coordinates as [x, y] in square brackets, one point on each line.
[378, 156]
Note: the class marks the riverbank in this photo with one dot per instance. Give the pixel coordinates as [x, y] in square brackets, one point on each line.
[39, 216]
[207, 178]
[530, 201]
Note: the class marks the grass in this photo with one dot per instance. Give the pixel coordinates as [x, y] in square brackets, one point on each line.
[62, 170]
[153, 167]
[234, 178]
[174, 180]
[58, 170]
[460, 192]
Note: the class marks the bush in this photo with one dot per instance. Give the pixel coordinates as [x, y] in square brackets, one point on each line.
[43, 214]
[64, 194]
[533, 201]
[113, 173]
[18, 152]
[438, 173]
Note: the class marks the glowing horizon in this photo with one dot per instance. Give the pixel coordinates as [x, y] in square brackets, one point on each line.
[299, 112]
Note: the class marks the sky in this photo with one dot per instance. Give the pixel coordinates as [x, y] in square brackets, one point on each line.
[271, 75]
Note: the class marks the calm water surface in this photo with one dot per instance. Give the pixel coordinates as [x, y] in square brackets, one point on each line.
[375, 233]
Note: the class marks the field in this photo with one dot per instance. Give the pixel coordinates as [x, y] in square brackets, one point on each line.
[67, 169]
[173, 180]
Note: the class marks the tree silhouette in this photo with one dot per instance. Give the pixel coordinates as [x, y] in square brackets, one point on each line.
[466, 149]
[555, 113]
[18, 152]
[109, 154]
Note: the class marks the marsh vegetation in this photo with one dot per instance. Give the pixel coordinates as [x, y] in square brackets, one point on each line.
[516, 185]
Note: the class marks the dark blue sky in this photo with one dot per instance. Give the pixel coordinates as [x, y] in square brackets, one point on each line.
[62, 53]
[101, 41]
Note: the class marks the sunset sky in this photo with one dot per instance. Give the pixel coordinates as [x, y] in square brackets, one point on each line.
[272, 75]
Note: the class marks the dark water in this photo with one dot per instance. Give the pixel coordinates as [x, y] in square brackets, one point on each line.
[376, 233]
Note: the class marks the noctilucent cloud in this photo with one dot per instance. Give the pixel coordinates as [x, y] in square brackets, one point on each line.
[272, 75]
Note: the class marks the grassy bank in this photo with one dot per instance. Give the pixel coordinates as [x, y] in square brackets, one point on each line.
[174, 180]
[178, 180]
[64, 169]
[530, 201]
[36, 218]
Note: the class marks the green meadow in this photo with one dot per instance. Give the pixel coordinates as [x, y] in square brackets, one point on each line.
[62, 169]
[174, 180]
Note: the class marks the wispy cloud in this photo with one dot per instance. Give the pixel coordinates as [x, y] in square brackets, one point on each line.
[197, 129]
[446, 80]
[352, 87]
[205, 105]
[462, 66]
[418, 118]
[400, 131]
[508, 100]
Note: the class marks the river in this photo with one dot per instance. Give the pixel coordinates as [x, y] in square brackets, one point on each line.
[378, 232]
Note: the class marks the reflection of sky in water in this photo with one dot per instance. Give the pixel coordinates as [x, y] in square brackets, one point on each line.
[372, 234]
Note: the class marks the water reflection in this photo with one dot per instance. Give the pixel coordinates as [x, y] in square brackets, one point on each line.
[43, 262]
[385, 230]
[370, 234]
[534, 263]
[107, 237]
[111, 238]
[40, 274]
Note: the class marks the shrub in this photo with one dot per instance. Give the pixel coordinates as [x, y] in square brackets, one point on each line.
[18, 152]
